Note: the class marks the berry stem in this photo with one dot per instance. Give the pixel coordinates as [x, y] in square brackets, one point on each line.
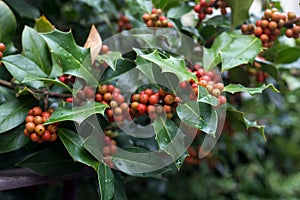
[289, 24]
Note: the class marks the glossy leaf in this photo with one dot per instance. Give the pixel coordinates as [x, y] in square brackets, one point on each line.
[13, 140]
[74, 59]
[72, 142]
[234, 114]
[13, 113]
[6, 95]
[53, 161]
[8, 23]
[198, 115]
[171, 64]
[177, 12]
[239, 11]
[106, 182]
[35, 48]
[94, 42]
[21, 67]
[42, 25]
[110, 58]
[234, 88]
[49, 80]
[232, 50]
[205, 97]
[77, 114]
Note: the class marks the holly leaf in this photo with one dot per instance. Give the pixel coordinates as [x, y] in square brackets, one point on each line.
[53, 161]
[171, 64]
[110, 58]
[49, 80]
[72, 142]
[234, 114]
[232, 50]
[35, 48]
[13, 113]
[235, 88]
[8, 24]
[106, 181]
[21, 68]
[239, 11]
[94, 42]
[42, 25]
[205, 97]
[77, 114]
[74, 59]
[13, 140]
[169, 138]
[198, 115]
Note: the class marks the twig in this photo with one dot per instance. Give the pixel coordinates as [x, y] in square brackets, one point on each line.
[45, 92]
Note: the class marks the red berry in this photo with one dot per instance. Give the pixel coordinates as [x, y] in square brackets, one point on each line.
[153, 99]
[141, 108]
[102, 89]
[53, 137]
[34, 137]
[135, 97]
[69, 100]
[29, 118]
[2, 47]
[169, 99]
[289, 33]
[110, 88]
[98, 97]
[52, 128]
[46, 136]
[107, 96]
[39, 129]
[38, 120]
[30, 127]
[197, 8]
[37, 111]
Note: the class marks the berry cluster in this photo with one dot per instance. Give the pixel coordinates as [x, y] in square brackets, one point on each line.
[124, 23]
[204, 8]
[108, 150]
[209, 80]
[156, 19]
[111, 95]
[35, 128]
[268, 28]
[2, 49]
[293, 30]
[153, 103]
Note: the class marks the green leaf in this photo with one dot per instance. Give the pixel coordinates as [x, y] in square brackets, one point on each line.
[13, 140]
[74, 59]
[119, 187]
[234, 88]
[198, 115]
[178, 11]
[21, 67]
[42, 25]
[292, 82]
[287, 55]
[171, 64]
[72, 142]
[232, 50]
[205, 97]
[35, 48]
[53, 161]
[49, 80]
[239, 11]
[13, 113]
[6, 95]
[8, 24]
[234, 114]
[24, 9]
[77, 114]
[106, 182]
[166, 4]
[110, 58]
